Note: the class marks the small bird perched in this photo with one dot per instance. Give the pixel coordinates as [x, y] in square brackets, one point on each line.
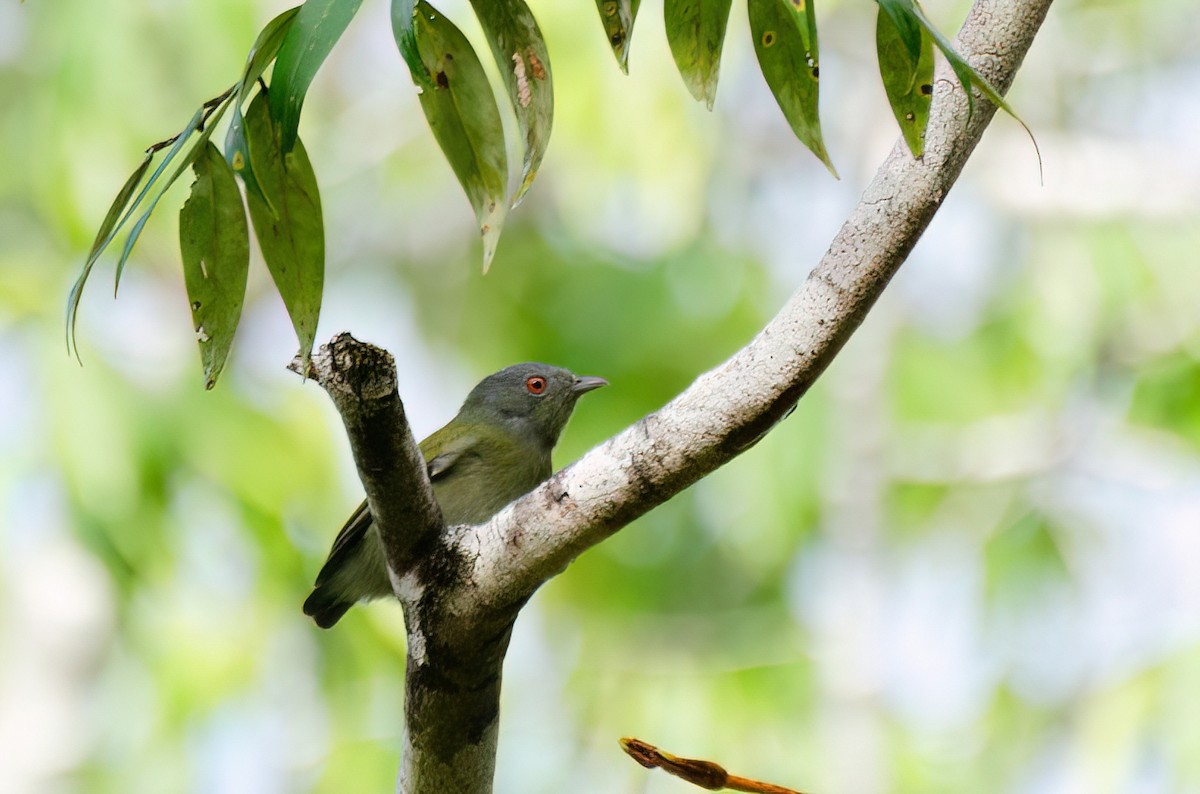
[496, 449]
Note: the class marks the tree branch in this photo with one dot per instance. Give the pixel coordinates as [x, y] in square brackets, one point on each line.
[361, 381]
[462, 588]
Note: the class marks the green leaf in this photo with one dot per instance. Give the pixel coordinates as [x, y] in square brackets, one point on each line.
[696, 31]
[967, 75]
[104, 235]
[287, 220]
[907, 79]
[215, 246]
[618, 17]
[791, 68]
[311, 36]
[524, 64]
[225, 100]
[461, 109]
[265, 48]
[901, 14]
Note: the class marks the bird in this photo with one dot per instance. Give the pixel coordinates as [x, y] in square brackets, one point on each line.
[494, 450]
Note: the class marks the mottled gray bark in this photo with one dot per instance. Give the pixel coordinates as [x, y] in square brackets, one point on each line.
[461, 587]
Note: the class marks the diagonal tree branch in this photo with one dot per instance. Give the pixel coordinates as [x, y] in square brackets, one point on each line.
[729, 408]
[462, 587]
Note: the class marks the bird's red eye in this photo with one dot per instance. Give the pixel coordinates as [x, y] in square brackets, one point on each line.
[536, 384]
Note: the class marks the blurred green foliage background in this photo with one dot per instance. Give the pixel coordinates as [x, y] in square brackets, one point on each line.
[970, 561]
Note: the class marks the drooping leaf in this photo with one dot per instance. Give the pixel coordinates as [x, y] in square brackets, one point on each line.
[618, 17]
[215, 246]
[907, 79]
[177, 145]
[103, 235]
[461, 109]
[108, 226]
[696, 32]
[524, 64]
[312, 34]
[287, 220]
[791, 68]
[205, 119]
[265, 48]
[224, 101]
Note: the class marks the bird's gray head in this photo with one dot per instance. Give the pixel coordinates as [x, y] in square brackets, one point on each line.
[531, 398]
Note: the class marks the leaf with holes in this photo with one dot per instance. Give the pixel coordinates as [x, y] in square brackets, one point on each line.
[696, 31]
[215, 244]
[524, 64]
[618, 17]
[907, 78]
[791, 68]
[312, 34]
[461, 109]
[287, 221]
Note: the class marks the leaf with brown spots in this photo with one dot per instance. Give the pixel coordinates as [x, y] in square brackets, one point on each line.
[524, 63]
[618, 17]
[461, 110]
[785, 41]
[906, 70]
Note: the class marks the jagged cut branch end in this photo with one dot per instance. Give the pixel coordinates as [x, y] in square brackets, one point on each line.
[349, 368]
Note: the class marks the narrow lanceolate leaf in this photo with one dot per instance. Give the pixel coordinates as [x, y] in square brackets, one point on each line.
[792, 70]
[223, 103]
[215, 245]
[907, 77]
[103, 236]
[265, 48]
[696, 31]
[520, 53]
[618, 17]
[287, 221]
[461, 109]
[311, 36]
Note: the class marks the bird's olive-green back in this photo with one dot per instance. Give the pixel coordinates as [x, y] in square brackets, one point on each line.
[493, 467]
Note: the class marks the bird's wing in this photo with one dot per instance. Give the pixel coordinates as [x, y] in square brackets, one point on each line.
[355, 529]
[446, 453]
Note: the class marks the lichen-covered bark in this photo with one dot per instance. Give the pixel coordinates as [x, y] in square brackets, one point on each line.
[461, 587]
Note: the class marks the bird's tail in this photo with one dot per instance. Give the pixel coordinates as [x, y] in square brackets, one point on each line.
[354, 571]
[325, 606]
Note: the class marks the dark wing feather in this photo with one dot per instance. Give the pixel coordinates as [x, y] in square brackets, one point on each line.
[347, 540]
[359, 522]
